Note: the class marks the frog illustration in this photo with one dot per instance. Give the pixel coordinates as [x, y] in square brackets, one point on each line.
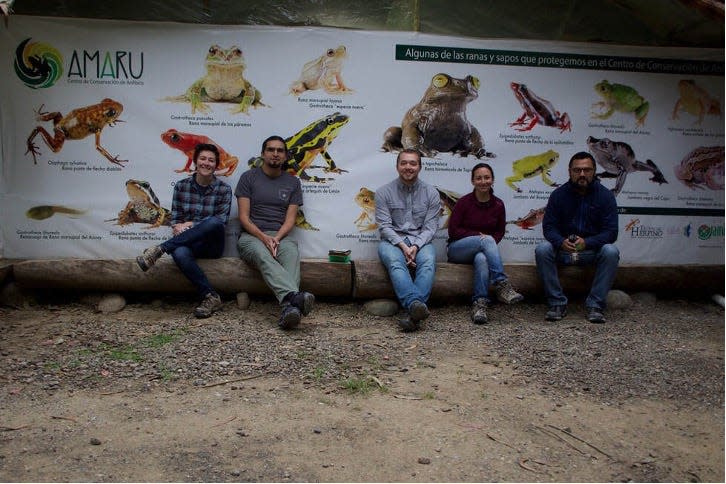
[533, 217]
[537, 110]
[702, 168]
[366, 221]
[143, 207]
[323, 72]
[448, 200]
[695, 101]
[618, 159]
[186, 142]
[77, 124]
[42, 212]
[311, 141]
[533, 165]
[224, 82]
[302, 222]
[438, 123]
[619, 97]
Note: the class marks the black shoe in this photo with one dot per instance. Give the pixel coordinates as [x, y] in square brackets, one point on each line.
[407, 325]
[290, 317]
[304, 301]
[594, 315]
[418, 311]
[555, 313]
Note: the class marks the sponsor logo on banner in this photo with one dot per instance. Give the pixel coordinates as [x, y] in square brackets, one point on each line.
[37, 65]
[706, 232]
[639, 231]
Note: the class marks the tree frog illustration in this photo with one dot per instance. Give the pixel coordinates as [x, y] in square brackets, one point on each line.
[533, 217]
[537, 110]
[77, 124]
[695, 101]
[366, 221]
[619, 97]
[533, 165]
[323, 72]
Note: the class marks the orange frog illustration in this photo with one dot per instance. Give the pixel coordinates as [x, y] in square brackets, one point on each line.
[185, 142]
[77, 124]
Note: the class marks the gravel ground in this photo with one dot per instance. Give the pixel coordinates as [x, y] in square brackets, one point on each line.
[671, 350]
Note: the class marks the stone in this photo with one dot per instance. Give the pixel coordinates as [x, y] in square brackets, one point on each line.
[111, 303]
[381, 307]
[243, 300]
[617, 299]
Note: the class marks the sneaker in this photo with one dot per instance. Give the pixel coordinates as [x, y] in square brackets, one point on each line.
[304, 301]
[594, 315]
[555, 313]
[407, 325]
[149, 257]
[290, 317]
[418, 311]
[479, 311]
[211, 303]
[506, 293]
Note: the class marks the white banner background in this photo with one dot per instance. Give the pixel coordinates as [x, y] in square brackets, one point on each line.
[665, 223]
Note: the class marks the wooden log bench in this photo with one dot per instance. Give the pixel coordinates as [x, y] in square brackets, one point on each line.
[361, 279]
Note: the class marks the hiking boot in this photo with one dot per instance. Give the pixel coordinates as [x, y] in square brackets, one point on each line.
[555, 313]
[290, 317]
[149, 257]
[304, 301]
[594, 315]
[505, 292]
[479, 311]
[418, 311]
[211, 303]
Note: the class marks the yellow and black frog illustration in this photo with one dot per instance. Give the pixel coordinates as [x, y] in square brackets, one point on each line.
[323, 72]
[143, 206]
[438, 123]
[77, 124]
[224, 82]
[533, 165]
[311, 141]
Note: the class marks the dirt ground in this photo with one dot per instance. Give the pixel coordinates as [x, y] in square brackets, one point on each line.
[152, 394]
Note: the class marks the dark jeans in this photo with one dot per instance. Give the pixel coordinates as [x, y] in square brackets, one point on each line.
[205, 240]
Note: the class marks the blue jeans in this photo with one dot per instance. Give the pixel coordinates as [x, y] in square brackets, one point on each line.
[281, 274]
[483, 253]
[606, 265]
[204, 240]
[409, 289]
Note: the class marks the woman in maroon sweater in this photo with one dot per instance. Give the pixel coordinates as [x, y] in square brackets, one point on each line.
[475, 228]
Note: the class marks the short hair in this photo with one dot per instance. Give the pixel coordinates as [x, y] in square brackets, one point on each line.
[483, 165]
[274, 137]
[206, 147]
[582, 155]
[409, 150]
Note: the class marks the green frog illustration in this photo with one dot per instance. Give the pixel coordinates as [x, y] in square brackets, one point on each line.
[619, 97]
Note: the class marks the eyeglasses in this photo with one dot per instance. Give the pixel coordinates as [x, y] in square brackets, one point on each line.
[582, 170]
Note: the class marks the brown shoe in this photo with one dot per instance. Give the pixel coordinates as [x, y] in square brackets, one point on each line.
[211, 303]
[149, 257]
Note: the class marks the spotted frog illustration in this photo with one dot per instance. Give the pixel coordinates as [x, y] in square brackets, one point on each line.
[311, 141]
[619, 97]
[143, 206]
[302, 222]
[695, 101]
[186, 142]
[76, 125]
[533, 217]
[438, 123]
[366, 221]
[702, 168]
[537, 110]
[224, 82]
[533, 165]
[323, 72]
[618, 159]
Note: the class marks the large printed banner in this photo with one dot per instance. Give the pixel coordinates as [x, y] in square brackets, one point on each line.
[98, 120]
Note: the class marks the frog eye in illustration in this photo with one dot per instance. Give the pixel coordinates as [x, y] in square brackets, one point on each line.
[475, 81]
[440, 80]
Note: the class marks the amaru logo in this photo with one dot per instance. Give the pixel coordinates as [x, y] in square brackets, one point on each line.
[706, 232]
[106, 65]
[37, 65]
